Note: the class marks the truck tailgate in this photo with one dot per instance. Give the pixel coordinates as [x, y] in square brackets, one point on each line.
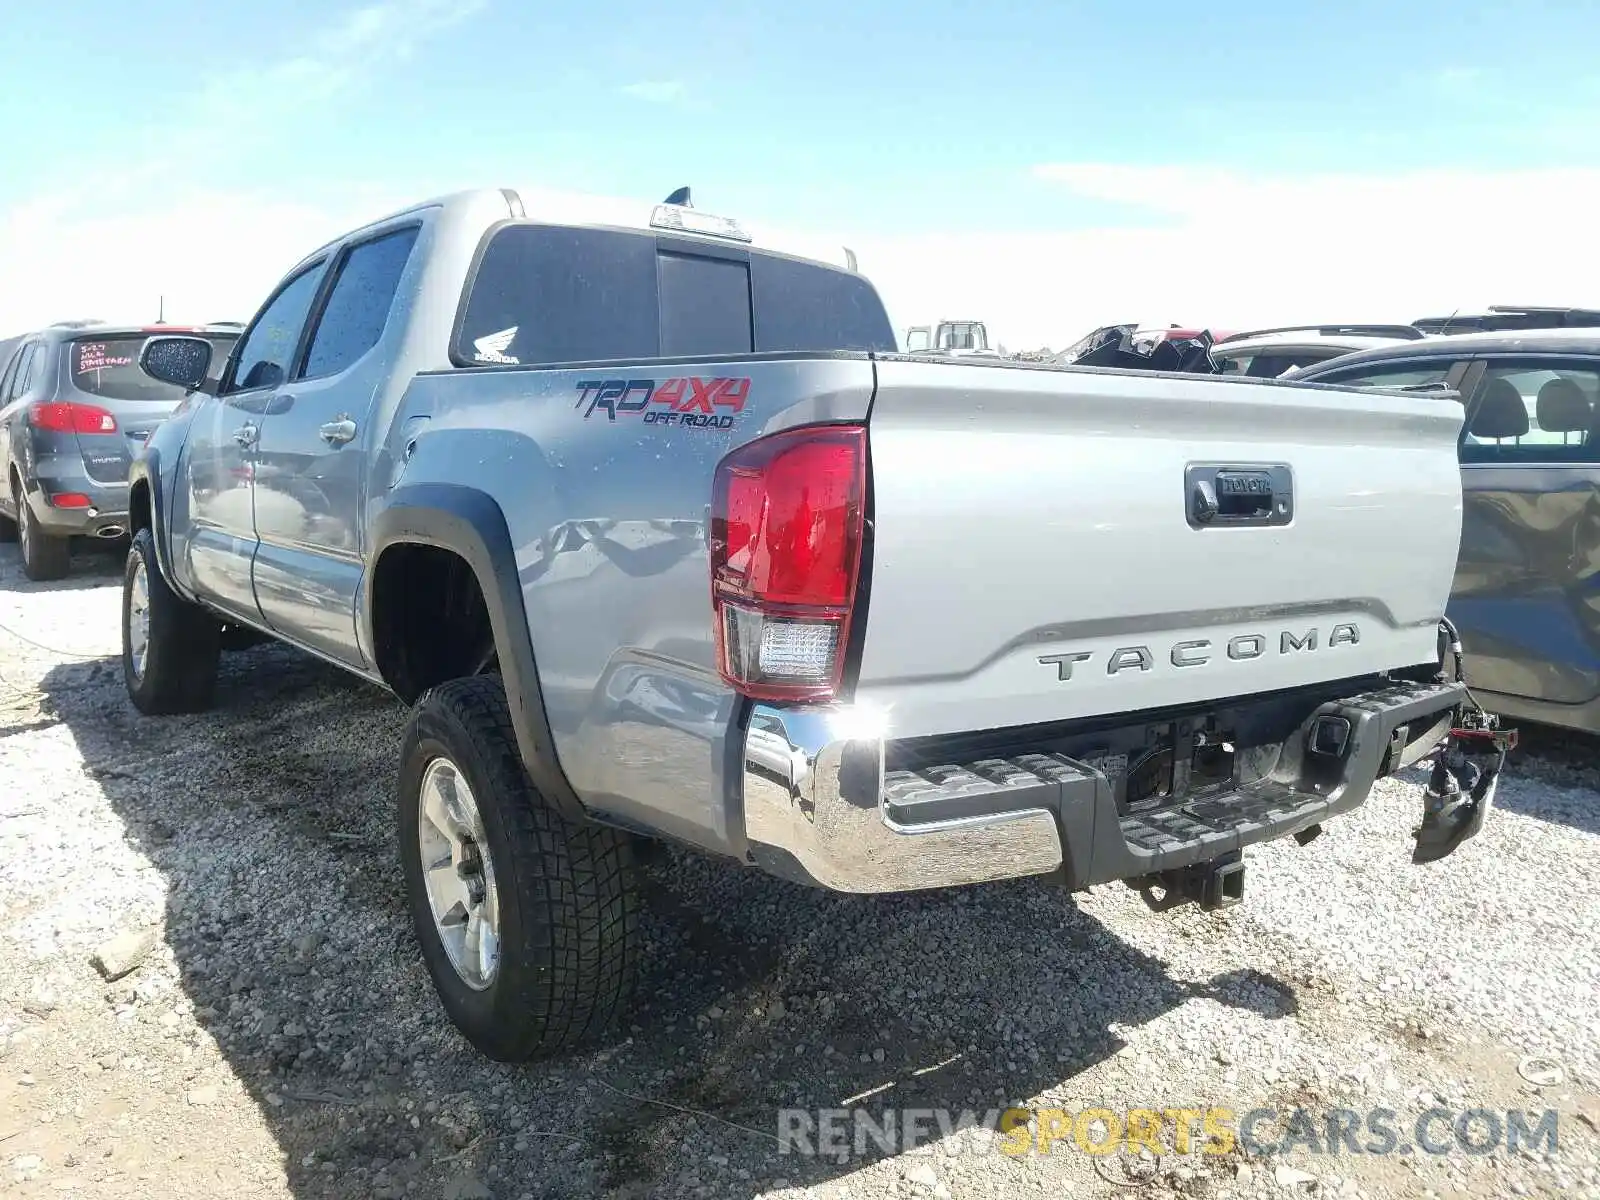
[1039, 551]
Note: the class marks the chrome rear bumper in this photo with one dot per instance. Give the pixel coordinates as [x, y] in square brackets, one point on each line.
[814, 812]
[820, 808]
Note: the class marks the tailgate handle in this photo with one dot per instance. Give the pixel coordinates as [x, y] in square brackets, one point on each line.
[1231, 495]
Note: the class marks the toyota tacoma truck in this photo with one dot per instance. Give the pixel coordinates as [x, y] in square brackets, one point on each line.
[660, 539]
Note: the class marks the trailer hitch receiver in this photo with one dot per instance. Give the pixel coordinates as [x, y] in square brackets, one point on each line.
[1212, 885]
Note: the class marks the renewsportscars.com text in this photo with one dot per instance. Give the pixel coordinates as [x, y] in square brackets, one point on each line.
[841, 1134]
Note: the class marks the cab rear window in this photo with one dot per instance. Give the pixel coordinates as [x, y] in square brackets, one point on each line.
[546, 294]
[109, 367]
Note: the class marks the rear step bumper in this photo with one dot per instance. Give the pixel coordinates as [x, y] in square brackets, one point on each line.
[819, 806]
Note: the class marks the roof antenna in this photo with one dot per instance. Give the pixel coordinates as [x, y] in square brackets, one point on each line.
[1445, 328]
[850, 258]
[161, 310]
[680, 198]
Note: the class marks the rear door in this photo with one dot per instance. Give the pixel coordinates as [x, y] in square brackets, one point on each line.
[218, 541]
[311, 460]
[1527, 592]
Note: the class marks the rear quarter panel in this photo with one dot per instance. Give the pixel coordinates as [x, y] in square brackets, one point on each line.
[608, 515]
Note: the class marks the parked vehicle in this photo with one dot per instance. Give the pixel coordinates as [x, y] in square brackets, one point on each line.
[1144, 344]
[1509, 318]
[74, 405]
[1527, 587]
[659, 536]
[1272, 353]
[1147, 337]
[1127, 348]
[951, 338]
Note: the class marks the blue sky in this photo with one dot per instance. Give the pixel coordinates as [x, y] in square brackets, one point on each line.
[888, 121]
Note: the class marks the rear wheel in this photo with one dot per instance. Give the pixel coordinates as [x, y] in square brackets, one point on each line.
[44, 556]
[528, 921]
[169, 646]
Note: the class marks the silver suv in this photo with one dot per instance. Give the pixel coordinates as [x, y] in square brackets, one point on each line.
[74, 406]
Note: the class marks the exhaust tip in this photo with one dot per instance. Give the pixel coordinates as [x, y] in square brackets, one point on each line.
[110, 531]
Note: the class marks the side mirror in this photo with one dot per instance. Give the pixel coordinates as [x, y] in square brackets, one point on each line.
[176, 359]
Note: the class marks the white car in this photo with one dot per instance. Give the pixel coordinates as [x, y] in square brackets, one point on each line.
[1271, 353]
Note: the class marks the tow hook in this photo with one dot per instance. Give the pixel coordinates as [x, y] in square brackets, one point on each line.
[1461, 786]
[1216, 884]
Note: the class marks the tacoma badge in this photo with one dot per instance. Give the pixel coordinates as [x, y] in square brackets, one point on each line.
[1198, 652]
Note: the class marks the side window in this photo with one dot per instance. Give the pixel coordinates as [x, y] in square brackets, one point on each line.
[1269, 366]
[358, 307]
[1533, 411]
[25, 372]
[265, 357]
[1276, 365]
[12, 363]
[1395, 375]
[34, 372]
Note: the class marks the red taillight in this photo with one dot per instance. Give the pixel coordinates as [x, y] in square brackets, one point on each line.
[61, 417]
[787, 520]
[69, 500]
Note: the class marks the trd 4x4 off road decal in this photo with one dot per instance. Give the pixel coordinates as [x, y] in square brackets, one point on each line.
[683, 400]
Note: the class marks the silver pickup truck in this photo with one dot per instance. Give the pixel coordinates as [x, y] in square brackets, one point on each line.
[660, 538]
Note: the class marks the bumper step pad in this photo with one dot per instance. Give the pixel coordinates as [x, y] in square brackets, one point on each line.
[1101, 844]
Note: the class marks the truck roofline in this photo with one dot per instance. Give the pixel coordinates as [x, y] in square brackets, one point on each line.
[497, 205]
[503, 202]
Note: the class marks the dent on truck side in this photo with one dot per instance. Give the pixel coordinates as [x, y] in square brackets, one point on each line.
[603, 563]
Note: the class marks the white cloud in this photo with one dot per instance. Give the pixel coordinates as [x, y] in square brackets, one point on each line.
[1230, 250]
[1214, 247]
[142, 230]
[354, 46]
[213, 255]
[1200, 245]
[655, 91]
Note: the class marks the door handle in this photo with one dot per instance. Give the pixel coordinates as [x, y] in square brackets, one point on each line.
[245, 435]
[338, 432]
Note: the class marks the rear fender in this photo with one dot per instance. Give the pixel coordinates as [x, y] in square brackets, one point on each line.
[144, 475]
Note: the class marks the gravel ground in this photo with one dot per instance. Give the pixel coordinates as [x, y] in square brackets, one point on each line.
[280, 1037]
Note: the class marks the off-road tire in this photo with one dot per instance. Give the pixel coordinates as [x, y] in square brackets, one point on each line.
[44, 556]
[180, 669]
[568, 891]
